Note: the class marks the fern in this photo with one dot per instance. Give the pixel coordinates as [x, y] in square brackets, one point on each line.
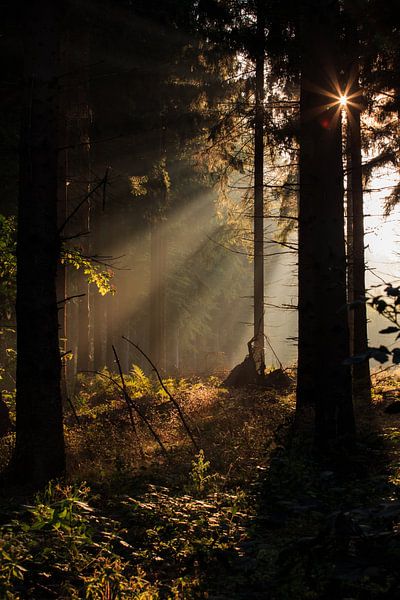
[138, 383]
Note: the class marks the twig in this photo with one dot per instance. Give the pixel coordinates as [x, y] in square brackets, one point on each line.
[136, 408]
[70, 298]
[245, 253]
[273, 351]
[73, 408]
[75, 236]
[86, 197]
[105, 181]
[170, 396]
[376, 373]
[127, 399]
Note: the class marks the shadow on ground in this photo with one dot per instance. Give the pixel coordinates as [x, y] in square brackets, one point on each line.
[322, 530]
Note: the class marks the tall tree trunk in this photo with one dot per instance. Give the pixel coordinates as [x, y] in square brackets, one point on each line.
[324, 382]
[84, 345]
[111, 334]
[361, 371]
[62, 213]
[158, 253]
[157, 299]
[259, 354]
[99, 301]
[355, 216]
[81, 173]
[61, 280]
[349, 238]
[39, 453]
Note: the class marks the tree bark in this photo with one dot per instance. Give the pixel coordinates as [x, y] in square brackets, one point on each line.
[349, 239]
[157, 298]
[61, 280]
[324, 382]
[355, 218]
[81, 179]
[99, 301]
[39, 453]
[258, 353]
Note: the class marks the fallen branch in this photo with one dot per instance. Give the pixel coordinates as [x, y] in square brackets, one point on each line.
[166, 390]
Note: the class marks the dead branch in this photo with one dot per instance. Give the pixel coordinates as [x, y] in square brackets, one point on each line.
[105, 181]
[86, 197]
[136, 408]
[71, 404]
[75, 236]
[70, 298]
[127, 399]
[246, 253]
[170, 396]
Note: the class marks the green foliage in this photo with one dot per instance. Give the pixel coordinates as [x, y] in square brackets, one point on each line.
[387, 305]
[97, 395]
[179, 536]
[8, 396]
[292, 525]
[138, 185]
[62, 546]
[199, 474]
[138, 383]
[94, 272]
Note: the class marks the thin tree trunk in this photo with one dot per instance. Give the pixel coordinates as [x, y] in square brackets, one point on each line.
[355, 215]
[84, 302]
[99, 344]
[324, 382]
[99, 302]
[157, 300]
[349, 238]
[39, 453]
[259, 354]
[81, 178]
[61, 280]
[111, 338]
[361, 371]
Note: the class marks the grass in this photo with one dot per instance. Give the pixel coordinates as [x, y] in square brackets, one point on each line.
[252, 515]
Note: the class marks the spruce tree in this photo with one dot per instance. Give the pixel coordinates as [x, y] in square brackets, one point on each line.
[324, 380]
[39, 453]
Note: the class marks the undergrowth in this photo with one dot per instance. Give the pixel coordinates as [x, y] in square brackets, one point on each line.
[252, 514]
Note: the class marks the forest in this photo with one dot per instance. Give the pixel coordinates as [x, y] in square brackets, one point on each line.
[199, 300]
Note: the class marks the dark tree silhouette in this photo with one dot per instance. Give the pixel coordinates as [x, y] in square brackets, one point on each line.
[259, 191]
[356, 259]
[39, 450]
[324, 381]
[355, 209]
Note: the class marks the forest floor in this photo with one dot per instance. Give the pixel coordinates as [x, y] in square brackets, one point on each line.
[252, 515]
